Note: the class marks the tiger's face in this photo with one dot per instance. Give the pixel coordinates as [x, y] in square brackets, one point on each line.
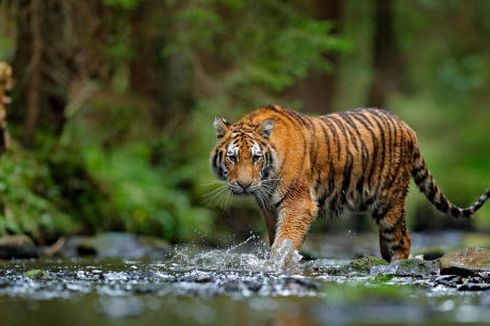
[243, 157]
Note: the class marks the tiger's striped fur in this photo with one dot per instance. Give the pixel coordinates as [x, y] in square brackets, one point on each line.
[297, 165]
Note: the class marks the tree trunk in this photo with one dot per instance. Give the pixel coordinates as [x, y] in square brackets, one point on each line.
[44, 55]
[317, 91]
[5, 87]
[142, 78]
[387, 60]
[28, 59]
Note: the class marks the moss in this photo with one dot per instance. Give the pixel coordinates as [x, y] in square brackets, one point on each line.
[416, 267]
[382, 278]
[408, 267]
[364, 264]
[37, 274]
[357, 266]
[374, 265]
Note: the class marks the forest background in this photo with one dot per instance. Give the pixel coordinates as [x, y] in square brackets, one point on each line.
[113, 103]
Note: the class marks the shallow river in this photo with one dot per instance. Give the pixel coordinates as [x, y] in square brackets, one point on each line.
[236, 286]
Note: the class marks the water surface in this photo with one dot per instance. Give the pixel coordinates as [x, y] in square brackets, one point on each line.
[238, 285]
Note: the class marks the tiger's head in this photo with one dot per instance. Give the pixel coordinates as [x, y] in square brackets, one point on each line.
[243, 156]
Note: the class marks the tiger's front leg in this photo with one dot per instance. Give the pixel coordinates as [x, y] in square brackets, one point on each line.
[294, 219]
[270, 219]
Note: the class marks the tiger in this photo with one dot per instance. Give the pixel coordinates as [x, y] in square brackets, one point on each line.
[297, 166]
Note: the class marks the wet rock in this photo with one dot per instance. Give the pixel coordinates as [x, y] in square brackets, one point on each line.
[197, 277]
[408, 267]
[17, 246]
[466, 262]
[475, 282]
[363, 265]
[320, 266]
[299, 283]
[447, 280]
[360, 266]
[474, 286]
[231, 286]
[115, 244]
[237, 286]
[253, 286]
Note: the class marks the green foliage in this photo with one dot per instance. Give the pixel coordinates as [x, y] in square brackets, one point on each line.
[78, 192]
[464, 74]
[25, 186]
[243, 54]
[139, 170]
[262, 46]
[453, 143]
[135, 158]
[125, 4]
[147, 199]
[444, 98]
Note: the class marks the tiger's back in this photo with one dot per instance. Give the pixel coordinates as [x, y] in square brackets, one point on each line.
[365, 160]
[361, 160]
[352, 159]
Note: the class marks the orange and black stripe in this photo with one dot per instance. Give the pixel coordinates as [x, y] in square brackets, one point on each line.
[363, 159]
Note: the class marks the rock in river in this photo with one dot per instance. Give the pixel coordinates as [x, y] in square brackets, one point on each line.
[466, 261]
[409, 267]
[17, 246]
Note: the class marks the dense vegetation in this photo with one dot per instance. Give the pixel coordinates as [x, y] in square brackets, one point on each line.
[114, 100]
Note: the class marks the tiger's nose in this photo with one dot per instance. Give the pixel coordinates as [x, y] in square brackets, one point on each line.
[244, 184]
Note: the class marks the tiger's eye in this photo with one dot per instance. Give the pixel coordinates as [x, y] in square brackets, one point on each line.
[232, 158]
[256, 158]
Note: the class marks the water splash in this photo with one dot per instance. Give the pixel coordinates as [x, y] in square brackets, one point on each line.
[286, 258]
[250, 255]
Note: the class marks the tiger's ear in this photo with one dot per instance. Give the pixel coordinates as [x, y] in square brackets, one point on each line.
[265, 128]
[221, 126]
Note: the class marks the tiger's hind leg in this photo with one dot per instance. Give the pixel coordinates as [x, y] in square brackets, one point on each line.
[394, 239]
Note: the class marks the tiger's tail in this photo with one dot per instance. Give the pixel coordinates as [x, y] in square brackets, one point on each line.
[431, 190]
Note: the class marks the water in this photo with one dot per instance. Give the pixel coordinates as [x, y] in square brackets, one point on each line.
[239, 285]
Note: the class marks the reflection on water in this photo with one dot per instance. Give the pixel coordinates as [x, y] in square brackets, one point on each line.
[239, 285]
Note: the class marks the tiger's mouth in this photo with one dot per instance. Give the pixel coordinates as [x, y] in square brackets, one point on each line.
[238, 190]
